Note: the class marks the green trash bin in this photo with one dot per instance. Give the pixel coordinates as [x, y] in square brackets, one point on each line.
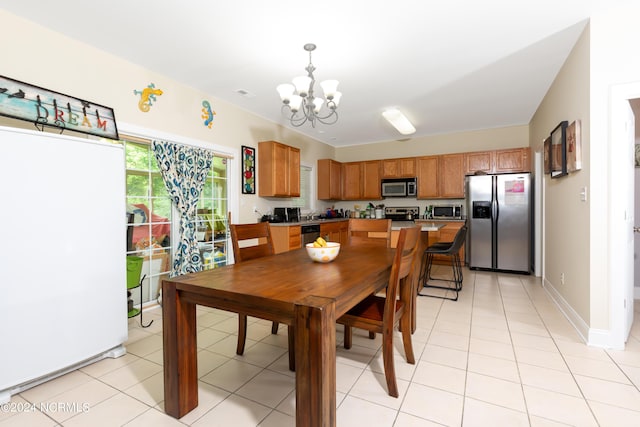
[134, 269]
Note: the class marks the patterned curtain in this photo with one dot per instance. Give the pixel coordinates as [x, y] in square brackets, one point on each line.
[184, 171]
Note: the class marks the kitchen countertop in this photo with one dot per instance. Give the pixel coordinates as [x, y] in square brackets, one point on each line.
[427, 225]
[309, 222]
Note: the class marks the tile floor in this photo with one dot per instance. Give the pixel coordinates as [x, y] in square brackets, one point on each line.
[502, 355]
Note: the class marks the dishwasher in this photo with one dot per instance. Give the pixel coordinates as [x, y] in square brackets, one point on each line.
[309, 233]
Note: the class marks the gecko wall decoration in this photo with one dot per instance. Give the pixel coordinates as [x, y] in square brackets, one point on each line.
[207, 113]
[147, 97]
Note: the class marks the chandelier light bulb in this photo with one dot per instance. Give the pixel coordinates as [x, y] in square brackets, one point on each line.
[329, 87]
[295, 102]
[286, 90]
[302, 84]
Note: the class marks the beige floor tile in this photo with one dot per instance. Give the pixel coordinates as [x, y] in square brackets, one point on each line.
[347, 375]
[544, 359]
[496, 391]
[602, 369]
[208, 397]
[267, 388]
[48, 390]
[372, 387]
[261, 354]
[278, 419]
[453, 341]
[445, 356]
[633, 373]
[609, 392]
[232, 375]
[234, 411]
[615, 416]
[490, 334]
[146, 345]
[432, 404]
[154, 418]
[358, 412]
[493, 367]
[150, 391]
[108, 364]
[482, 414]
[440, 376]
[115, 411]
[133, 373]
[208, 361]
[491, 348]
[549, 379]
[558, 407]
[580, 349]
[77, 400]
[533, 341]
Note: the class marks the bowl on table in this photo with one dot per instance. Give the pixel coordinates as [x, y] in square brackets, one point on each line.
[323, 254]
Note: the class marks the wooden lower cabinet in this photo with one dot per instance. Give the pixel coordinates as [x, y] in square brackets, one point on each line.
[445, 234]
[336, 231]
[286, 238]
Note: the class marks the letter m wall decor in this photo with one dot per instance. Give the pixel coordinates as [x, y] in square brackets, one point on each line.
[43, 107]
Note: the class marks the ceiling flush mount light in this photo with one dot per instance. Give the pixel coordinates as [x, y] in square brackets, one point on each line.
[399, 121]
[302, 105]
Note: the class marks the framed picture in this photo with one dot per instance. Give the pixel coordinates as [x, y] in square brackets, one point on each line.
[248, 170]
[574, 147]
[637, 155]
[44, 107]
[558, 151]
[546, 153]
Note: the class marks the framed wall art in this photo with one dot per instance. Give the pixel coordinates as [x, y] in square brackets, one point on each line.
[574, 147]
[248, 170]
[546, 148]
[44, 107]
[558, 151]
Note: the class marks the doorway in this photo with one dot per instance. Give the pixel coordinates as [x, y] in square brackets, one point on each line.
[622, 188]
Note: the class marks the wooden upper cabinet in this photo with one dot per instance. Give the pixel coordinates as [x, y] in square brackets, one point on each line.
[479, 161]
[371, 180]
[514, 160]
[351, 181]
[278, 170]
[399, 168]
[427, 174]
[361, 180]
[329, 179]
[451, 176]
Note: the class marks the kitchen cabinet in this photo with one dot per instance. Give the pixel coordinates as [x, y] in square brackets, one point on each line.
[427, 177]
[337, 231]
[479, 161]
[329, 179]
[451, 176]
[514, 160]
[399, 168]
[361, 180]
[285, 238]
[278, 170]
[498, 161]
[440, 177]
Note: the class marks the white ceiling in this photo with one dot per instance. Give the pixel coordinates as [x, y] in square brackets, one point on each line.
[450, 66]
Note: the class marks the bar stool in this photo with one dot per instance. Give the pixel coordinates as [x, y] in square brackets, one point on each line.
[451, 250]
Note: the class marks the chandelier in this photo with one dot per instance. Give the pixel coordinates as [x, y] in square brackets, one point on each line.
[302, 105]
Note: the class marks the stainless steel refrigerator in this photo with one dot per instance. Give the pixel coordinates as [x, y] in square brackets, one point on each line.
[499, 221]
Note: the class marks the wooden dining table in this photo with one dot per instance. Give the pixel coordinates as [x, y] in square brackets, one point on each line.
[288, 288]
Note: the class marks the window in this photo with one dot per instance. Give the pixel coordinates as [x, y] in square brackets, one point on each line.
[304, 201]
[149, 213]
[211, 222]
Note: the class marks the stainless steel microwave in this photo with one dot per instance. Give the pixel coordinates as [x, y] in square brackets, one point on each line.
[446, 211]
[399, 187]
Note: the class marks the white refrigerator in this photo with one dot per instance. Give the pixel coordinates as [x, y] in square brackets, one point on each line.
[500, 222]
[62, 255]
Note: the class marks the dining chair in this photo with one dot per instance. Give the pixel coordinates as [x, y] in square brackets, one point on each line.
[382, 314]
[254, 241]
[451, 250]
[370, 231]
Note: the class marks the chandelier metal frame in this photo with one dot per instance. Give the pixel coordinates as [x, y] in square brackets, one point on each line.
[300, 102]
